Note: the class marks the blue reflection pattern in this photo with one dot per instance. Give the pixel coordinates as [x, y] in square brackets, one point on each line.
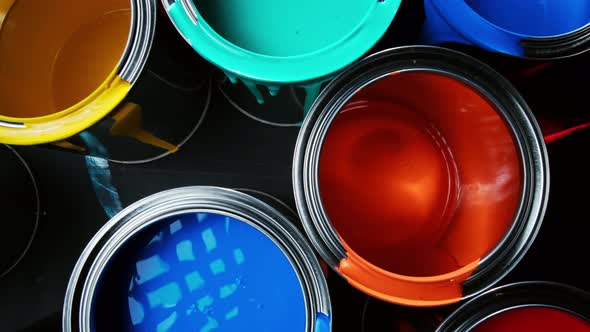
[208, 272]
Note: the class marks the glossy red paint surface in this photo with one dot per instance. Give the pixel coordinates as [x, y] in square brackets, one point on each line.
[533, 319]
[420, 175]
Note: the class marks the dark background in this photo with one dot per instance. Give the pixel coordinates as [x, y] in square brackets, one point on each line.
[231, 150]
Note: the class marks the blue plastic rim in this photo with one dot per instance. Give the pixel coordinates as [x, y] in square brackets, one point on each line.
[198, 259]
[542, 29]
[272, 43]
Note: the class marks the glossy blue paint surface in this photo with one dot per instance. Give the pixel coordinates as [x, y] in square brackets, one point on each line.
[534, 17]
[501, 25]
[207, 272]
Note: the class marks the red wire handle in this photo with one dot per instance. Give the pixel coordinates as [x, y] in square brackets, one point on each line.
[550, 138]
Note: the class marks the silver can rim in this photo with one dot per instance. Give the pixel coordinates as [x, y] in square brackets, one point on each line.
[140, 39]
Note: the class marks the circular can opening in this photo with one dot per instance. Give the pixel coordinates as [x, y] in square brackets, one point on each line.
[533, 318]
[55, 54]
[420, 174]
[204, 271]
[543, 18]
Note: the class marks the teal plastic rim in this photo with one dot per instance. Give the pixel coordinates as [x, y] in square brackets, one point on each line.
[270, 70]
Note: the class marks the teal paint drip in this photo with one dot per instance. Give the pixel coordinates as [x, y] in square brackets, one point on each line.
[312, 91]
[100, 175]
[270, 43]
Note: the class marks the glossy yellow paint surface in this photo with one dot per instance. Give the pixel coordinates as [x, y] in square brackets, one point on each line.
[58, 60]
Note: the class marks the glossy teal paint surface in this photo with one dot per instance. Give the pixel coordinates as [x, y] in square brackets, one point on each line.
[283, 28]
[301, 42]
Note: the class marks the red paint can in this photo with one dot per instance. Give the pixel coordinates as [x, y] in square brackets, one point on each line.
[525, 307]
[421, 176]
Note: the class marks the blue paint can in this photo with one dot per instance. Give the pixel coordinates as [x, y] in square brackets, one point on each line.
[200, 259]
[539, 29]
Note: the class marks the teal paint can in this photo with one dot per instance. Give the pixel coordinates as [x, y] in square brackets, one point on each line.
[271, 43]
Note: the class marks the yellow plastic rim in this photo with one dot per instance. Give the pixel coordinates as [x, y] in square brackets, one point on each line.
[59, 76]
[66, 123]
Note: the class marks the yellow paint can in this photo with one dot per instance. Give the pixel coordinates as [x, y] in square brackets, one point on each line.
[101, 66]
